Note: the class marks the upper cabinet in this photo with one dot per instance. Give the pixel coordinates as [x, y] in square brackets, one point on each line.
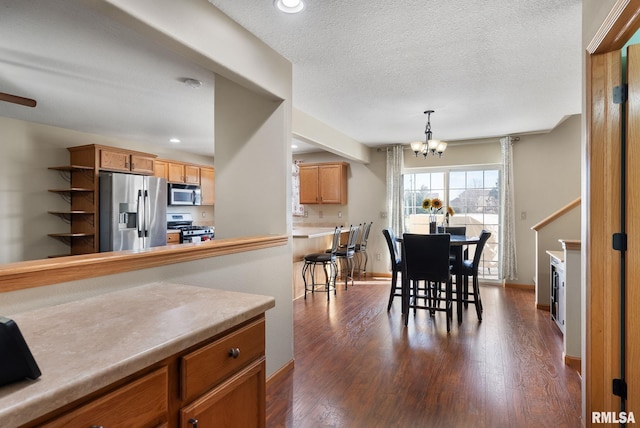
[178, 172]
[183, 173]
[323, 183]
[126, 161]
[206, 185]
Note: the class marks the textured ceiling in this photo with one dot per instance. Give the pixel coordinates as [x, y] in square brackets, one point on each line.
[367, 68]
[370, 68]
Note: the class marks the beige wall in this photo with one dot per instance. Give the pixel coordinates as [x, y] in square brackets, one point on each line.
[547, 177]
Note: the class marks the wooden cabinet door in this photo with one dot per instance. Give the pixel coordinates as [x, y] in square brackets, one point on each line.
[114, 160]
[330, 184]
[238, 402]
[309, 184]
[207, 185]
[141, 403]
[176, 173]
[192, 174]
[161, 169]
[142, 164]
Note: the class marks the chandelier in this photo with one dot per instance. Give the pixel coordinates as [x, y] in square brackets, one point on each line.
[435, 147]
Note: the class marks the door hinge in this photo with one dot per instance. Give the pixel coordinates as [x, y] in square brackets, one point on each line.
[620, 388]
[620, 94]
[620, 241]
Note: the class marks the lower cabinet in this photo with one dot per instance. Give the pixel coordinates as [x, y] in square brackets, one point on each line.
[238, 402]
[219, 383]
[141, 403]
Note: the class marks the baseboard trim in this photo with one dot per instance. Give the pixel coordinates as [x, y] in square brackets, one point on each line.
[543, 307]
[520, 286]
[574, 362]
[281, 372]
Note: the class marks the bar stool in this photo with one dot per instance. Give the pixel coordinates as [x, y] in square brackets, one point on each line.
[328, 261]
[346, 255]
[361, 250]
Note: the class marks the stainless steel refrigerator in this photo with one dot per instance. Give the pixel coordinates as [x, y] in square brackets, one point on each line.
[133, 211]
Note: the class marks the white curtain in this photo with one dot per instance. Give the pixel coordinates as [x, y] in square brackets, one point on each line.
[507, 207]
[395, 164]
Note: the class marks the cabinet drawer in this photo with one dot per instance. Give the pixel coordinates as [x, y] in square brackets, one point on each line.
[213, 363]
[173, 238]
[141, 403]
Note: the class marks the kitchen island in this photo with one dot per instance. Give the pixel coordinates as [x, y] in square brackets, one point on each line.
[155, 354]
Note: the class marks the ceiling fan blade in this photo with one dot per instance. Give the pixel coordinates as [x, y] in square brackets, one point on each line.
[17, 100]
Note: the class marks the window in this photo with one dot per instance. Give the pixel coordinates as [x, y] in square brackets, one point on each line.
[473, 193]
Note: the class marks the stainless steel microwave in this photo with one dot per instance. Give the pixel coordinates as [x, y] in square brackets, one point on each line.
[184, 194]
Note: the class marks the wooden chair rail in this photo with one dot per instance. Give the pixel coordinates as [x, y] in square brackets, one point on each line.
[35, 273]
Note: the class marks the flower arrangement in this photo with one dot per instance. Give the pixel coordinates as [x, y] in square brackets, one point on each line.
[432, 206]
[435, 206]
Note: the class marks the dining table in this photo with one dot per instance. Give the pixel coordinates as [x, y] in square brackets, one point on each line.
[457, 244]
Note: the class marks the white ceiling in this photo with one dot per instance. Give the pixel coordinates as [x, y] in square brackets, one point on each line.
[367, 68]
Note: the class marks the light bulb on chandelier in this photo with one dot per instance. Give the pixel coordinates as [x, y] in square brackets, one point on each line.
[435, 147]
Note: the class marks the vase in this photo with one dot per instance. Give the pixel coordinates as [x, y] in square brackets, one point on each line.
[432, 227]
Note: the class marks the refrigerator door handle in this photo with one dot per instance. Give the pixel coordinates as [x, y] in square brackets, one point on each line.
[147, 213]
[139, 214]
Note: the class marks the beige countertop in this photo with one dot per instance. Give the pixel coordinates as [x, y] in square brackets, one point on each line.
[88, 344]
[314, 232]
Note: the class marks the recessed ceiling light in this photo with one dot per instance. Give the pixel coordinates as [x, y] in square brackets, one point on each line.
[293, 146]
[290, 6]
[174, 140]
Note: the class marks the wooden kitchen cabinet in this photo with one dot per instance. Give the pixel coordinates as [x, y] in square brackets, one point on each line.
[173, 238]
[183, 173]
[323, 183]
[140, 403]
[238, 402]
[112, 159]
[207, 185]
[220, 382]
[161, 169]
[224, 381]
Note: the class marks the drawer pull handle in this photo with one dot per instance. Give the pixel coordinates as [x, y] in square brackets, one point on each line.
[193, 422]
[234, 352]
[97, 426]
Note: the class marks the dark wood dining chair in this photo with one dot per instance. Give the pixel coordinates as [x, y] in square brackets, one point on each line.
[396, 265]
[328, 262]
[426, 259]
[469, 268]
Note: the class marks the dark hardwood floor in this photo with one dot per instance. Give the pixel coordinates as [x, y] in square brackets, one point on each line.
[356, 365]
